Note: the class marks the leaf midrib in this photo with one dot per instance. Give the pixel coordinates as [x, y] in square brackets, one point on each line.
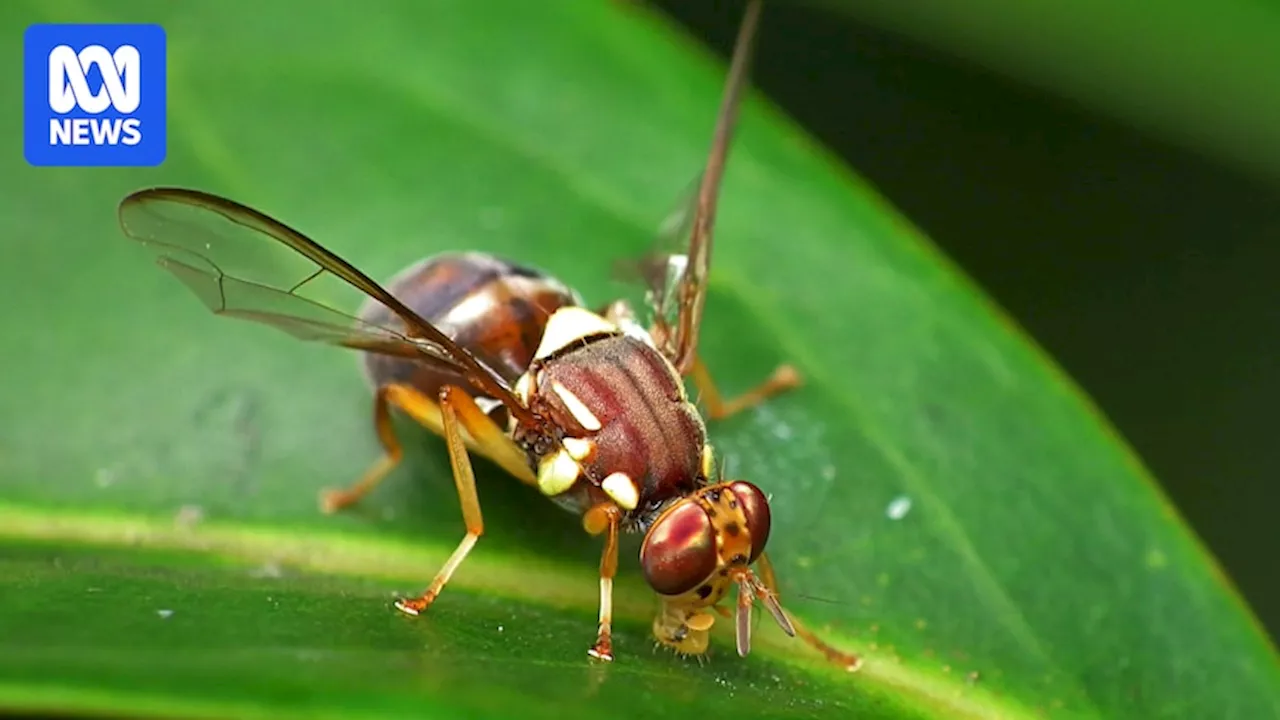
[528, 579]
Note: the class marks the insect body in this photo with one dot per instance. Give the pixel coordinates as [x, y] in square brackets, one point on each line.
[505, 362]
[495, 309]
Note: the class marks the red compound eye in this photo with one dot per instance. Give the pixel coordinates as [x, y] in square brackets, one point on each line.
[756, 507]
[680, 550]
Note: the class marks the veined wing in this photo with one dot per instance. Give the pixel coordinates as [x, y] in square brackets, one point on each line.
[242, 263]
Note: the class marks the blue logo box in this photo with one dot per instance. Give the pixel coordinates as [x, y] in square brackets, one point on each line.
[94, 95]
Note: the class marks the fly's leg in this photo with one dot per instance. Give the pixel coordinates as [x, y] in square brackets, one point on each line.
[483, 436]
[458, 412]
[414, 404]
[784, 377]
[605, 519]
[460, 421]
[848, 661]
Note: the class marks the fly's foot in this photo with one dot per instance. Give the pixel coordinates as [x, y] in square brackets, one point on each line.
[416, 606]
[603, 649]
[332, 501]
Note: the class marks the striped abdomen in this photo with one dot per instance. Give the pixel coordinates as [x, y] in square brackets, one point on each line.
[493, 308]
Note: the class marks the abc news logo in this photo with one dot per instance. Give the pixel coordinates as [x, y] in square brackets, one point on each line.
[69, 89]
[95, 95]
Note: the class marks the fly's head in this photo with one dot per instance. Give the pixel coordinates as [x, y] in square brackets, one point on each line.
[698, 549]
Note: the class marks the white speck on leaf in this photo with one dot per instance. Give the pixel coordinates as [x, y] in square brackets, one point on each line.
[266, 570]
[165, 614]
[898, 508]
[188, 516]
[499, 628]
[104, 477]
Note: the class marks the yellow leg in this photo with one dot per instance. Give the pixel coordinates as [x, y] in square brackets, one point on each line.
[850, 662]
[458, 410]
[784, 378]
[483, 437]
[454, 412]
[597, 520]
[402, 396]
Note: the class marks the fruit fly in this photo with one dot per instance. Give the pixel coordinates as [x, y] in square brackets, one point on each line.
[505, 361]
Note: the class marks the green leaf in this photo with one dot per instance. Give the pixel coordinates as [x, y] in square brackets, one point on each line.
[160, 545]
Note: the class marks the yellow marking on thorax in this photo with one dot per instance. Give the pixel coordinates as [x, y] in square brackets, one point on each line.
[708, 460]
[557, 472]
[578, 448]
[622, 490]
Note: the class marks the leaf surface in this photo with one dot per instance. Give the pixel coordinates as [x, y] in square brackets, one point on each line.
[946, 502]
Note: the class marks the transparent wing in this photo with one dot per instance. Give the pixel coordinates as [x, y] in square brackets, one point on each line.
[242, 263]
[662, 270]
[675, 269]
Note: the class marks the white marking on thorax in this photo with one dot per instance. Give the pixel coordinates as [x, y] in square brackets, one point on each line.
[576, 407]
[568, 325]
[578, 448]
[622, 490]
[557, 472]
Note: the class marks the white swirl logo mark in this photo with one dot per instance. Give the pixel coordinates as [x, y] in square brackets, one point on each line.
[69, 87]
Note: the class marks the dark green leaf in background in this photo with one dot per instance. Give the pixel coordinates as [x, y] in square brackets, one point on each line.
[1199, 73]
[160, 547]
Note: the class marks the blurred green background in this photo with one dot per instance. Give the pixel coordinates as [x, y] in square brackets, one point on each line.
[1143, 251]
